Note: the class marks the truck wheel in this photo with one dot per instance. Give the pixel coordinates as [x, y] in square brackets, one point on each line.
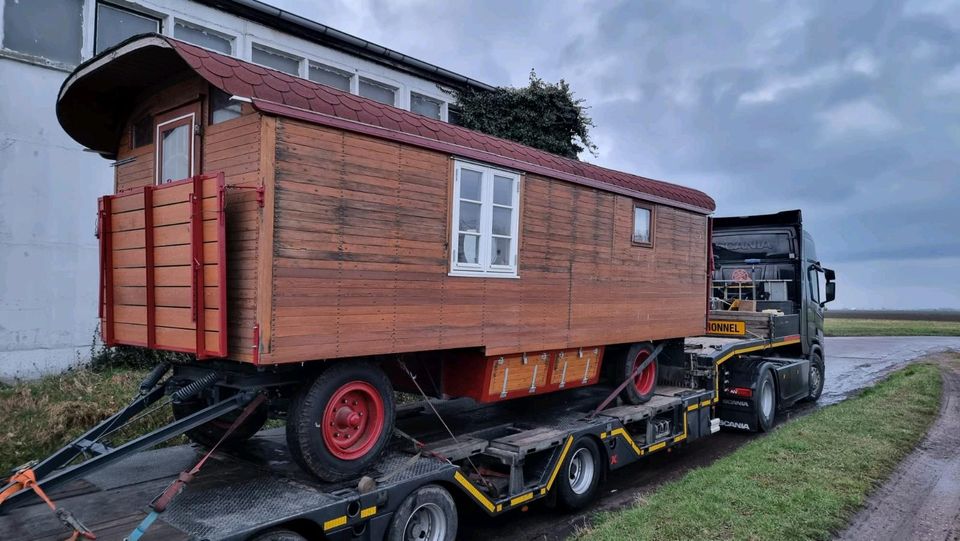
[579, 479]
[641, 389]
[427, 514]
[817, 376]
[279, 535]
[339, 424]
[766, 403]
[208, 434]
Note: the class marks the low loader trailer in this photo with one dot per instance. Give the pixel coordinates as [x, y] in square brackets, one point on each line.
[446, 456]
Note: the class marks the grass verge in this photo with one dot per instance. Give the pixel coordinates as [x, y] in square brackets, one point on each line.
[803, 481]
[40, 416]
[889, 327]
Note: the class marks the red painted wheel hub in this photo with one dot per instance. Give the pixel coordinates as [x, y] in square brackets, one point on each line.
[353, 420]
[646, 380]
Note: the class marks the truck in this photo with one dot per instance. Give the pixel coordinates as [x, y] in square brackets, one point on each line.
[448, 457]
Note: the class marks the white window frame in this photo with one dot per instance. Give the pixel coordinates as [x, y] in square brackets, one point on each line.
[350, 75]
[438, 101]
[131, 9]
[230, 38]
[484, 268]
[377, 81]
[279, 52]
[158, 142]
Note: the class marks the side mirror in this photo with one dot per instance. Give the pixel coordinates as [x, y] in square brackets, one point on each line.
[831, 292]
[829, 275]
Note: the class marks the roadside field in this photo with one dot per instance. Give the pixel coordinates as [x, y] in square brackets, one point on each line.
[889, 327]
[902, 315]
[803, 481]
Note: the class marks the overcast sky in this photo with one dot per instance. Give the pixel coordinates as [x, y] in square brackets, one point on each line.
[847, 110]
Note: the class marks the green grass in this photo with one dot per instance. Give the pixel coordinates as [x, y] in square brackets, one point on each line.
[889, 327]
[803, 481]
[40, 416]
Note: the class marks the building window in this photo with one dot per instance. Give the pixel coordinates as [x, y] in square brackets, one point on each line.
[115, 24]
[642, 225]
[203, 37]
[222, 106]
[142, 132]
[454, 115]
[425, 105]
[334, 77]
[48, 29]
[175, 147]
[377, 91]
[485, 221]
[276, 60]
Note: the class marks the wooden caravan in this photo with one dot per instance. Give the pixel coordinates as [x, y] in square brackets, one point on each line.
[276, 222]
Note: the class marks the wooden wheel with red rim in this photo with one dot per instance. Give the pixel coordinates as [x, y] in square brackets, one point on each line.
[644, 384]
[339, 424]
[353, 420]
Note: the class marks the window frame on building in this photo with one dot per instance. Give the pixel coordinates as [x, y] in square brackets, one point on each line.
[375, 81]
[231, 39]
[440, 104]
[322, 66]
[257, 44]
[651, 219]
[484, 266]
[119, 7]
[45, 61]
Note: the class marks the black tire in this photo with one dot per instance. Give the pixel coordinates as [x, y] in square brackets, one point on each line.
[766, 401]
[624, 368]
[427, 514]
[817, 376]
[307, 433]
[279, 535]
[578, 481]
[208, 434]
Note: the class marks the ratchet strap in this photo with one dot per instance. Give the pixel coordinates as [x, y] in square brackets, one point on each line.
[160, 503]
[27, 479]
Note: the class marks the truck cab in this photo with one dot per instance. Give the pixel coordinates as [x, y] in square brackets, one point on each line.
[769, 262]
[767, 285]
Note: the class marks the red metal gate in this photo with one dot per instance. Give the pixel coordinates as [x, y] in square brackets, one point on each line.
[163, 267]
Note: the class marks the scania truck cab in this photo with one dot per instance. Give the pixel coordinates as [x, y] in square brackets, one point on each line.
[768, 282]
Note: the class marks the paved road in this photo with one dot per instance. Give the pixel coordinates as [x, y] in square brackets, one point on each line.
[852, 364]
[921, 500]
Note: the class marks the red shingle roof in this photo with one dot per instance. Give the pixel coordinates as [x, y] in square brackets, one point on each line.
[277, 93]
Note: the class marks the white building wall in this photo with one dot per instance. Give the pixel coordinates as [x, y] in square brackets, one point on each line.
[48, 204]
[49, 187]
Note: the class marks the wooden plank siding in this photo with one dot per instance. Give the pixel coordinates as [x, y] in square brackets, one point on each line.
[361, 259]
[234, 148]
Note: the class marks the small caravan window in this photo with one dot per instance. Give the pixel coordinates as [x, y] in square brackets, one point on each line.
[642, 225]
[175, 152]
[222, 107]
[485, 221]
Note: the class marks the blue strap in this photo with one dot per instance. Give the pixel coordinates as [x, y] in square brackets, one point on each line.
[143, 526]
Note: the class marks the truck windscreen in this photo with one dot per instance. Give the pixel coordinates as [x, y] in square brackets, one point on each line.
[742, 245]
